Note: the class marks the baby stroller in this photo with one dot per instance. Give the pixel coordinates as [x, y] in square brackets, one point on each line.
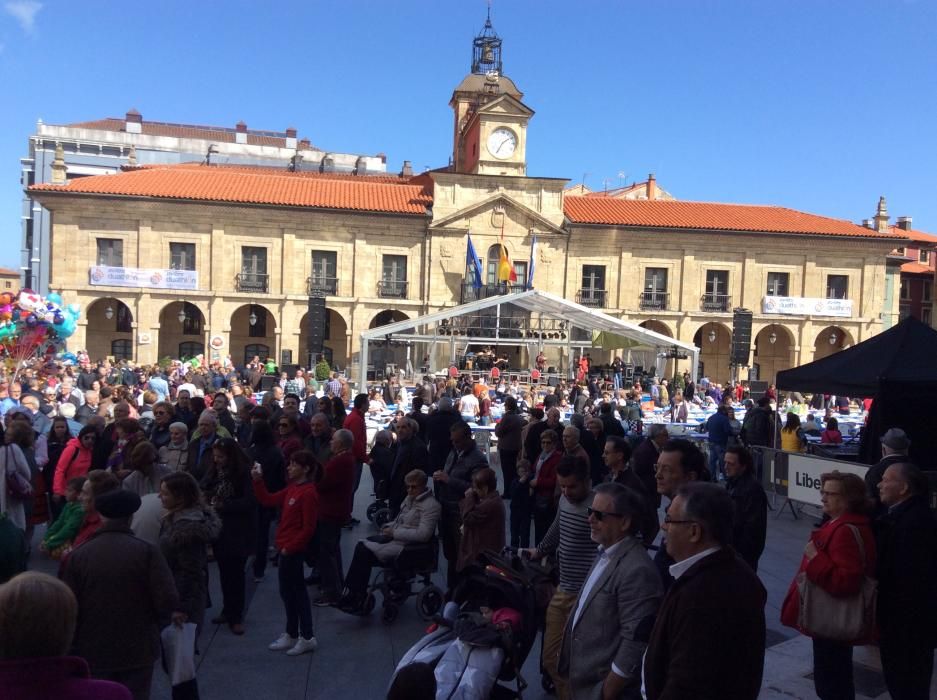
[470, 665]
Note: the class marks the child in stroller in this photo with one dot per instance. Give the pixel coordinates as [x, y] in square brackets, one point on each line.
[485, 635]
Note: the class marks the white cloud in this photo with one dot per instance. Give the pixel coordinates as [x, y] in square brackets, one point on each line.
[25, 12]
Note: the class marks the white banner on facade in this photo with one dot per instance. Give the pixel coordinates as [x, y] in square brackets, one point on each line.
[806, 306]
[803, 476]
[143, 277]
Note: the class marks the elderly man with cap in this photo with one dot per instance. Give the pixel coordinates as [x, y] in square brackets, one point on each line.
[125, 592]
[895, 446]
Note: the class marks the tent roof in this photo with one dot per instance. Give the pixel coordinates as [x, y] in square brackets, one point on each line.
[903, 353]
[548, 305]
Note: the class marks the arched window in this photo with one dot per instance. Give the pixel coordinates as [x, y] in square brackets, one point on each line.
[262, 351]
[121, 350]
[190, 349]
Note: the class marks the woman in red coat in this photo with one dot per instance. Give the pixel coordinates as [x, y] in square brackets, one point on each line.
[833, 561]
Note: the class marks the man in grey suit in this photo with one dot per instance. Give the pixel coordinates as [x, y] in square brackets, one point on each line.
[608, 629]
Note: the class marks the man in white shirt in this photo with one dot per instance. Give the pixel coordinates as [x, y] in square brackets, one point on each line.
[468, 406]
[607, 632]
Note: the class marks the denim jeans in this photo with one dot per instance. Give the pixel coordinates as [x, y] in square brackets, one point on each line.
[717, 456]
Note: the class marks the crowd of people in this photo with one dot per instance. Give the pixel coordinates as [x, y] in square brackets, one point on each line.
[138, 477]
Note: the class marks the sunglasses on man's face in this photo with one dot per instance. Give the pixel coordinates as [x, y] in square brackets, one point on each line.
[600, 515]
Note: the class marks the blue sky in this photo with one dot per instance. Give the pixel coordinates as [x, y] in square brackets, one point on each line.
[819, 106]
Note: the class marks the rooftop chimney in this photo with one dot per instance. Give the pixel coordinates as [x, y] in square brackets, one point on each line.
[291, 137]
[240, 135]
[133, 123]
[304, 145]
[407, 169]
[651, 190]
[383, 157]
[58, 166]
[881, 216]
[867, 223]
[904, 223]
[132, 156]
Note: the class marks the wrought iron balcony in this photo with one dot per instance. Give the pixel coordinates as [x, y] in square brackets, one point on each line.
[716, 302]
[392, 289]
[654, 301]
[322, 286]
[471, 293]
[253, 282]
[591, 297]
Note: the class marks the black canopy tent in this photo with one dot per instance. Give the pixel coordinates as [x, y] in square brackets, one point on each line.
[898, 368]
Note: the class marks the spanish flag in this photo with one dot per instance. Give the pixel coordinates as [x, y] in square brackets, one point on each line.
[506, 271]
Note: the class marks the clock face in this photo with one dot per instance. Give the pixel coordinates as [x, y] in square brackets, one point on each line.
[502, 142]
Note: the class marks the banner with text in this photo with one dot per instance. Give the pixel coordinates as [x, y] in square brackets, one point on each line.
[806, 306]
[803, 476]
[143, 277]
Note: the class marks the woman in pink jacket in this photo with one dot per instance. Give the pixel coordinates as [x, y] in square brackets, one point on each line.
[74, 461]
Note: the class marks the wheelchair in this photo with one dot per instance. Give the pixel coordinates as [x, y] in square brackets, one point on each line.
[378, 512]
[414, 565]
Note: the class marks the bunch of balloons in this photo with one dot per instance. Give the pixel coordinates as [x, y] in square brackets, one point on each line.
[33, 326]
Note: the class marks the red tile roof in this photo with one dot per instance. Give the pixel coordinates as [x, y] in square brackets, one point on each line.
[707, 216]
[916, 268]
[186, 131]
[7, 272]
[916, 236]
[250, 186]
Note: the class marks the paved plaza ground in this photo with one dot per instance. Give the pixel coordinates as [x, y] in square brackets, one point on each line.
[356, 656]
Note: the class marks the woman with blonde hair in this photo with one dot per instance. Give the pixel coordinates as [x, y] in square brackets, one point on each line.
[38, 614]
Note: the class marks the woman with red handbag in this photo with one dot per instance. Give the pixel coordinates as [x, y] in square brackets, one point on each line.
[835, 562]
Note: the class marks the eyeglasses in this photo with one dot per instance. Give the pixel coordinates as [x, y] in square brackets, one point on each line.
[669, 521]
[600, 515]
[830, 493]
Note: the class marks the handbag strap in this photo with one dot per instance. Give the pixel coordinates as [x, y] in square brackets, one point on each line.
[855, 532]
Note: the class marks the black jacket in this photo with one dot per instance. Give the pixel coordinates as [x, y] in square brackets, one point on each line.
[406, 457]
[437, 430]
[907, 575]
[750, 522]
[649, 524]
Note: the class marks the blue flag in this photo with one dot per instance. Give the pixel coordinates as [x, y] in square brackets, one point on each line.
[473, 264]
[530, 265]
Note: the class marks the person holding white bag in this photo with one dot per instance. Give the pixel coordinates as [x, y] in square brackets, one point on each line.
[186, 531]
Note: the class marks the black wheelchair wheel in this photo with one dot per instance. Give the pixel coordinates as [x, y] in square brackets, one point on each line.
[372, 509]
[429, 602]
[382, 517]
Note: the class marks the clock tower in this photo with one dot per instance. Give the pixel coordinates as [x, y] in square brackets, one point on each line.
[490, 130]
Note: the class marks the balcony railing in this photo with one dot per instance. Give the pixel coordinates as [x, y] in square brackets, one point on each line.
[392, 289]
[471, 293]
[322, 286]
[715, 302]
[591, 297]
[253, 282]
[654, 301]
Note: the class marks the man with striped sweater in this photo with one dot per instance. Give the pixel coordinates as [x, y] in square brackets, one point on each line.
[570, 538]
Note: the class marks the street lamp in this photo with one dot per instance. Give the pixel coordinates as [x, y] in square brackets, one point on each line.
[773, 338]
[833, 338]
[181, 315]
[712, 335]
[252, 319]
[109, 312]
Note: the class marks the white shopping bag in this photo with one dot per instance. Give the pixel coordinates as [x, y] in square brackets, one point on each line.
[179, 652]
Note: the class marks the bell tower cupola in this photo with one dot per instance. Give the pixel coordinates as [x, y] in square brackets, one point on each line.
[490, 121]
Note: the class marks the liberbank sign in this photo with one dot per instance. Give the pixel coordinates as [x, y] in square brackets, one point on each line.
[149, 278]
[807, 306]
[803, 476]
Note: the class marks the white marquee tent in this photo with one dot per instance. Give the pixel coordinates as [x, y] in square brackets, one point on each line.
[545, 320]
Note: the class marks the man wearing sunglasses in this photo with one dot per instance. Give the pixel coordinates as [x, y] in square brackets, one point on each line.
[608, 628]
[708, 641]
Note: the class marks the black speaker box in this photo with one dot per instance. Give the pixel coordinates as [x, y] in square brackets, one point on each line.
[316, 320]
[268, 381]
[741, 337]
